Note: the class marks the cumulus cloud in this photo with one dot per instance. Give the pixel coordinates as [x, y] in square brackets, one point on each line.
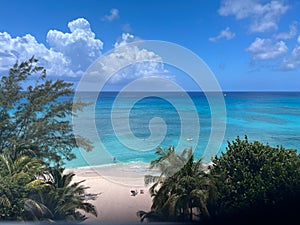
[126, 63]
[125, 39]
[79, 46]
[69, 54]
[293, 61]
[263, 16]
[223, 34]
[23, 48]
[143, 62]
[285, 36]
[239, 9]
[114, 14]
[263, 49]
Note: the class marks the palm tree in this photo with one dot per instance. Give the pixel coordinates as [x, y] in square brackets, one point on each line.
[167, 163]
[64, 198]
[15, 178]
[180, 195]
[28, 192]
[193, 190]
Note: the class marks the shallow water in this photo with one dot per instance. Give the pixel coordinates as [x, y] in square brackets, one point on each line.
[269, 117]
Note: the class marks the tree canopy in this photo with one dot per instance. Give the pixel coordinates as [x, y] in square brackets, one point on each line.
[255, 175]
[36, 137]
[35, 114]
[248, 183]
[256, 183]
[182, 191]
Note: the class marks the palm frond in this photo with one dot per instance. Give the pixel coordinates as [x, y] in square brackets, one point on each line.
[37, 209]
[4, 201]
[5, 163]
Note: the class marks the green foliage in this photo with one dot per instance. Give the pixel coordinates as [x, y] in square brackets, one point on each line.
[182, 190]
[255, 175]
[31, 191]
[167, 163]
[250, 181]
[14, 178]
[61, 198]
[35, 113]
[36, 130]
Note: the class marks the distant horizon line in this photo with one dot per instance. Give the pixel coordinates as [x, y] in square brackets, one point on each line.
[193, 91]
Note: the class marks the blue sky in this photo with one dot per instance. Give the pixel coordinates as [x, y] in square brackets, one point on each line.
[249, 44]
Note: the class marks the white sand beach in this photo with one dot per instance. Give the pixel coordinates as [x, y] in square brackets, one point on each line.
[114, 183]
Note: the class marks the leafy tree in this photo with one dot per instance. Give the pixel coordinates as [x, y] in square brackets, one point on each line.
[178, 194]
[36, 132]
[35, 114]
[255, 176]
[248, 183]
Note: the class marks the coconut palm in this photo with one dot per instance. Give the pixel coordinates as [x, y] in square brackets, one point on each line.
[16, 176]
[167, 164]
[183, 195]
[28, 192]
[65, 198]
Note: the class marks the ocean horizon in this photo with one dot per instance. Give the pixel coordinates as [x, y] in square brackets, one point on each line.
[269, 117]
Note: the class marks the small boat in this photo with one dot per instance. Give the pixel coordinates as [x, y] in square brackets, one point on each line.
[189, 139]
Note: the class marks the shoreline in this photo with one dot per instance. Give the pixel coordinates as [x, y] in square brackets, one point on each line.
[113, 185]
[118, 170]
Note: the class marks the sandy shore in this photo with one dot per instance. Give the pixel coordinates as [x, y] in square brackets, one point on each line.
[114, 183]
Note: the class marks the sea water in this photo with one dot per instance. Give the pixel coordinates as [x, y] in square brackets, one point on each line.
[269, 117]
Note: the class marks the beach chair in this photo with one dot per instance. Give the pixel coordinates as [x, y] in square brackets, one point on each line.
[133, 192]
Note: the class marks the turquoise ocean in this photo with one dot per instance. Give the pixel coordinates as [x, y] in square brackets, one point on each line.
[269, 117]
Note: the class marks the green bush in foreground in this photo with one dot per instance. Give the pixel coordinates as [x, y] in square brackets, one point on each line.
[15, 177]
[248, 183]
[31, 191]
[253, 175]
[60, 198]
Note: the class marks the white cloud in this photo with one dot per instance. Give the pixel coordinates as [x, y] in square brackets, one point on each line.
[223, 34]
[292, 33]
[298, 39]
[127, 63]
[114, 14]
[263, 49]
[143, 62]
[293, 61]
[80, 46]
[240, 9]
[125, 39]
[71, 53]
[23, 48]
[264, 17]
